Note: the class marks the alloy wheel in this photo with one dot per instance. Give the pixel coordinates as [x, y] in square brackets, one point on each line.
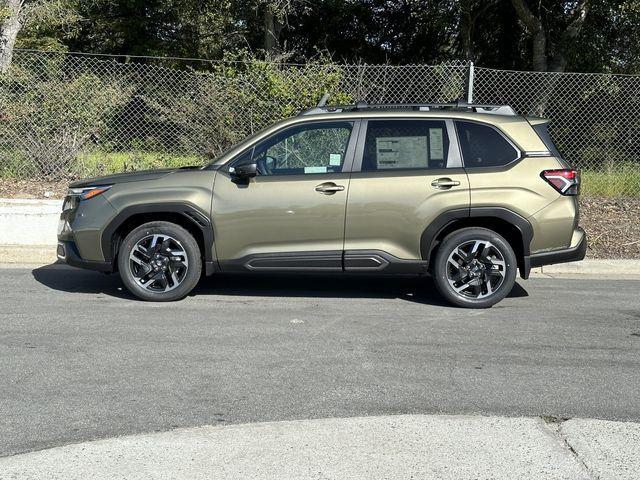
[476, 269]
[158, 263]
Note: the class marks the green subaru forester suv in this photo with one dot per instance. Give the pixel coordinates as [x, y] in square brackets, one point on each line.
[466, 193]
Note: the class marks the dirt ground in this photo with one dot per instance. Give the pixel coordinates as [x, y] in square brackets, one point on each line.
[32, 189]
[613, 224]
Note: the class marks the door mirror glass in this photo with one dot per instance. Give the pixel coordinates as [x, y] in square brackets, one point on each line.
[245, 170]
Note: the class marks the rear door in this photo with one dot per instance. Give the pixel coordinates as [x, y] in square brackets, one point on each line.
[406, 173]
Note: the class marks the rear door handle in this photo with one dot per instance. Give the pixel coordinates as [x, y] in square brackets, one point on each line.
[329, 188]
[444, 183]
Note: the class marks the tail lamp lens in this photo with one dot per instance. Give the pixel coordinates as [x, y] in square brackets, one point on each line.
[565, 181]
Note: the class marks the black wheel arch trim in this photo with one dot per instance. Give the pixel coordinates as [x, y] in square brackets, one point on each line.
[190, 212]
[446, 219]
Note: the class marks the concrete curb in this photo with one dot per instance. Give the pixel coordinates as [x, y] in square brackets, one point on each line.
[16, 255]
[29, 222]
[592, 266]
[403, 446]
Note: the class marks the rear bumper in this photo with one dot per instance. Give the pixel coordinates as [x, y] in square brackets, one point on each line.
[574, 253]
[67, 252]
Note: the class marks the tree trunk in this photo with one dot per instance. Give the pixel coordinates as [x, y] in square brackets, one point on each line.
[466, 36]
[270, 30]
[9, 31]
[558, 62]
[540, 51]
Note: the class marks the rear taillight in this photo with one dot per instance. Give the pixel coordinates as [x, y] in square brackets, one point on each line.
[566, 181]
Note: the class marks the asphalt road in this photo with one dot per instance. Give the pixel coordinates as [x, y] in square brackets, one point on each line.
[81, 359]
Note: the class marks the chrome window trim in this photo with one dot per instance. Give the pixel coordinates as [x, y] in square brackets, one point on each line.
[347, 164]
[364, 128]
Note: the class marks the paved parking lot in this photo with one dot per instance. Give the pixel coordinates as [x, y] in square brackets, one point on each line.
[81, 359]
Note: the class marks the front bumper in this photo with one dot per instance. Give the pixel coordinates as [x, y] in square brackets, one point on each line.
[67, 252]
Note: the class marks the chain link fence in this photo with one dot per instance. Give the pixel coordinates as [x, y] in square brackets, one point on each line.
[65, 116]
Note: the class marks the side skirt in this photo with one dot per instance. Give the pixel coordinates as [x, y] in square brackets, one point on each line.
[351, 261]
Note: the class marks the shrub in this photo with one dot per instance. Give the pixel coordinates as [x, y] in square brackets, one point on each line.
[50, 115]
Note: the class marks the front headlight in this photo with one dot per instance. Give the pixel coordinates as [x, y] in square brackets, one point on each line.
[86, 193]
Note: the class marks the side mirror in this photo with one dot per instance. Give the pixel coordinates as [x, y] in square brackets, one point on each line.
[246, 170]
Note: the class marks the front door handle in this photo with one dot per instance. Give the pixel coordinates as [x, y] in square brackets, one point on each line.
[444, 183]
[329, 188]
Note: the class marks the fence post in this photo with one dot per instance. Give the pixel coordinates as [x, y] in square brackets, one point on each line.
[470, 75]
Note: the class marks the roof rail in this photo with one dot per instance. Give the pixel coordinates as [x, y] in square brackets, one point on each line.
[460, 105]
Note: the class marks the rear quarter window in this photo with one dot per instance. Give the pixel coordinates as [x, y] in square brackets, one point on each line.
[484, 146]
[543, 132]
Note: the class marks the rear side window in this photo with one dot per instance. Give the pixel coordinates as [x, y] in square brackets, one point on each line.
[405, 144]
[484, 146]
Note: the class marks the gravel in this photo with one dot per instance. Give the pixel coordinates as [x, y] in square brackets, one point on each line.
[613, 226]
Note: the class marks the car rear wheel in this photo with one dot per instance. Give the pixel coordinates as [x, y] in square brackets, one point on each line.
[160, 262]
[475, 268]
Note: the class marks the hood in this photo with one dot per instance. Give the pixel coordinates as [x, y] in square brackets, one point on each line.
[127, 177]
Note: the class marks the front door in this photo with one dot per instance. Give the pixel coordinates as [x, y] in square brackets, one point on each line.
[406, 174]
[291, 215]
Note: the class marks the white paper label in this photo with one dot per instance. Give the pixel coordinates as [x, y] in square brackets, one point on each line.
[335, 159]
[436, 144]
[315, 169]
[401, 152]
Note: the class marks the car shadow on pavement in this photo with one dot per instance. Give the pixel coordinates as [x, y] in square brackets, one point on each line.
[413, 289]
[60, 277]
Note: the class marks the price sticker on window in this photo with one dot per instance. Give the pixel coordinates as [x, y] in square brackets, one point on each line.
[436, 144]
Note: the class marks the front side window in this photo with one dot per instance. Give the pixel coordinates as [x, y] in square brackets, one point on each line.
[405, 144]
[484, 146]
[306, 149]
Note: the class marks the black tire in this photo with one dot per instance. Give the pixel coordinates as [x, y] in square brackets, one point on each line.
[186, 264]
[474, 269]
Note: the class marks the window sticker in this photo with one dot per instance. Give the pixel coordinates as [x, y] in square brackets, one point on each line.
[436, 144]
[315, 169]
[335, 159]
[401, 152]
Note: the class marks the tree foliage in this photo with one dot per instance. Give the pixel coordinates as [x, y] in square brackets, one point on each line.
[580, 35]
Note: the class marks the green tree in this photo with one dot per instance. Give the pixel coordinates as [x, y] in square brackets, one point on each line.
[553, 26]
[587, 35]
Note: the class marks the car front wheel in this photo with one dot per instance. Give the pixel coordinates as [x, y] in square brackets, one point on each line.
[160, 262]
[475, 268]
